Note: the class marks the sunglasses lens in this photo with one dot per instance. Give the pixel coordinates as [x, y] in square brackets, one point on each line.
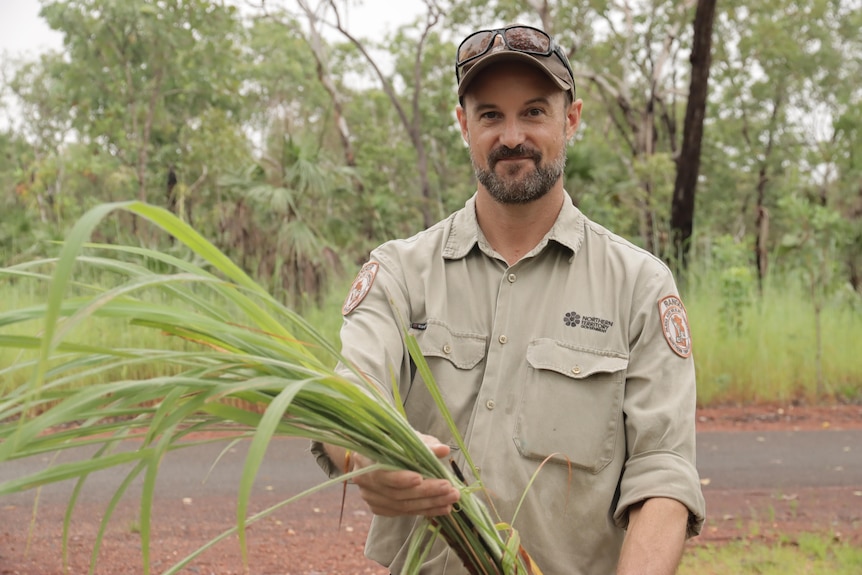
[474, 45]
[528, 40]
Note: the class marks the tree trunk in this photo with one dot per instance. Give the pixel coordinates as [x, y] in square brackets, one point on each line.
[853, 257]
[688, 163]
[762, 240]
[315, 42]
[413, 127]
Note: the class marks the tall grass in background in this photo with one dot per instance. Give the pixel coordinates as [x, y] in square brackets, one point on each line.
[22, 293]
[746, 349]
[28, 293]
[751, 349]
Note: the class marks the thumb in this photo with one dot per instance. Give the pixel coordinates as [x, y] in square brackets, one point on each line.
[438, 448]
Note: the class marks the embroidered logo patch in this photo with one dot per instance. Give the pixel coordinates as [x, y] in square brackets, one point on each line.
[674, 325]
[360, 288]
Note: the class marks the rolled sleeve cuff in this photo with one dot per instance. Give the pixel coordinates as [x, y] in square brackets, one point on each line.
[662, 474]
[324, 461]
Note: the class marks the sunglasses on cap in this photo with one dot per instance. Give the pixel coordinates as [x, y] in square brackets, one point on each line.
[518, 38]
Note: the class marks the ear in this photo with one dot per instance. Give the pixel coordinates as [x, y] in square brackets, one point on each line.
[462, 121]
[573, 118]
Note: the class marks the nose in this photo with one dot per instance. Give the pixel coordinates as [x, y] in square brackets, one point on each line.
[512, 132]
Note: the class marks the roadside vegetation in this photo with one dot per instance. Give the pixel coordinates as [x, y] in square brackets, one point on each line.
[747, 349]
[808, 554]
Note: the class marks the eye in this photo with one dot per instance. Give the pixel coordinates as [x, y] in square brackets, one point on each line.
[490, 115]
[535, 112]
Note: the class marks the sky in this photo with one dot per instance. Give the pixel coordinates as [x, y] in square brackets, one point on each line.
[24, 33]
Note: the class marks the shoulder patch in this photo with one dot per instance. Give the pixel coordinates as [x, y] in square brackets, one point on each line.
[674, 325]
[360, 288]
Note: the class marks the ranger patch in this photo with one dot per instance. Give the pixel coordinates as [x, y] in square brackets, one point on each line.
[360, 288]
[674, 325]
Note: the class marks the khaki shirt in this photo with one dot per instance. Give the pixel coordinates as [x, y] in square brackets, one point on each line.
[563, 356]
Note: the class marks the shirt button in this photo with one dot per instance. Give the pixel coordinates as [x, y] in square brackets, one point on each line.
[503, 339]
[512, 278]
[490, 404]
[576, 370]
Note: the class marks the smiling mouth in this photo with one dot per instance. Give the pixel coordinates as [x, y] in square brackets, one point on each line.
[511, 162]
[517, 154]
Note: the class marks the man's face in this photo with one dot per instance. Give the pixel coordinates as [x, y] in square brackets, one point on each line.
[517, 122]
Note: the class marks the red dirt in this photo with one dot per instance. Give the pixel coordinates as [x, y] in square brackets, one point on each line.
[304, 539]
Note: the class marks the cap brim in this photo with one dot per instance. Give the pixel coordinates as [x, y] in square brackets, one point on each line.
[504, 56]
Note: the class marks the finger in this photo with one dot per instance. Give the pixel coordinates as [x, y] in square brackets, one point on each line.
[438, 448]
[383, 504]
[390, 480]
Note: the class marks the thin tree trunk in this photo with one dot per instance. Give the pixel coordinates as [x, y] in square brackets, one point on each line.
[144, 143]
[762, 240]
[413, 127]
[316, 44]
[688, 163]
[853, 256]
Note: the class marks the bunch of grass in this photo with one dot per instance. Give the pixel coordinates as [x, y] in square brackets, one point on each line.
[256, 370]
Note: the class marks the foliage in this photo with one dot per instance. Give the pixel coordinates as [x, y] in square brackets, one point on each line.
[814, 246]
[736, 285]
[170, 101]
[771, 358]
[811, 553]
[248, 348]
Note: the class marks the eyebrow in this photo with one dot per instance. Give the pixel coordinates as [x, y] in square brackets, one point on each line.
[538, 100]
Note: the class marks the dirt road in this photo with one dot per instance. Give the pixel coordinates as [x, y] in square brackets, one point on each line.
[764, 474]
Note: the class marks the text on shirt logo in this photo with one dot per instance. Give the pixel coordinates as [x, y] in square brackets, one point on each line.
[574, 319]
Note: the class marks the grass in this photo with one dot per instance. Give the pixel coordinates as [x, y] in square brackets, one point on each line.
[809, 554]
[769, 356]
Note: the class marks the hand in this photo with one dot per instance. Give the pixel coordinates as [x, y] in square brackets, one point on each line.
[394, 493]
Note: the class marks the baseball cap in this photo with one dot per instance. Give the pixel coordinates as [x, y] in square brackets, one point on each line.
[512, 43]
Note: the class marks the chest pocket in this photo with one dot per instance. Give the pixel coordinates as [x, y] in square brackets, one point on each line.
[462, 350]
[456, 362]
[572, 405]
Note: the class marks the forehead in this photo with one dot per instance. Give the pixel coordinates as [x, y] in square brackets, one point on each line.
[511, 80]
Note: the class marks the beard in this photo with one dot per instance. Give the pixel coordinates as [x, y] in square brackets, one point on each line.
[509, 189]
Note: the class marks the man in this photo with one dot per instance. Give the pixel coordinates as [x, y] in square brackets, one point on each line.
[552, 341]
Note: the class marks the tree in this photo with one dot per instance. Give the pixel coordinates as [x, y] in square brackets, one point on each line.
[776, 66]
[688, 162]
[818, 238]
[137, 73]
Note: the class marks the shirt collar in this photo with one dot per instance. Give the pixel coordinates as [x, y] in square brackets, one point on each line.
[464, 232]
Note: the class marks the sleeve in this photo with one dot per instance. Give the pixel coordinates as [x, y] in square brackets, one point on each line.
[374, 315]
[659, 405]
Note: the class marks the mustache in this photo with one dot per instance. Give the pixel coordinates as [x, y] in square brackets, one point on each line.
[519, 151]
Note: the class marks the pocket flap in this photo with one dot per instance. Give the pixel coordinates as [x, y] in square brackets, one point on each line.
[464, 350]
[572, 361]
